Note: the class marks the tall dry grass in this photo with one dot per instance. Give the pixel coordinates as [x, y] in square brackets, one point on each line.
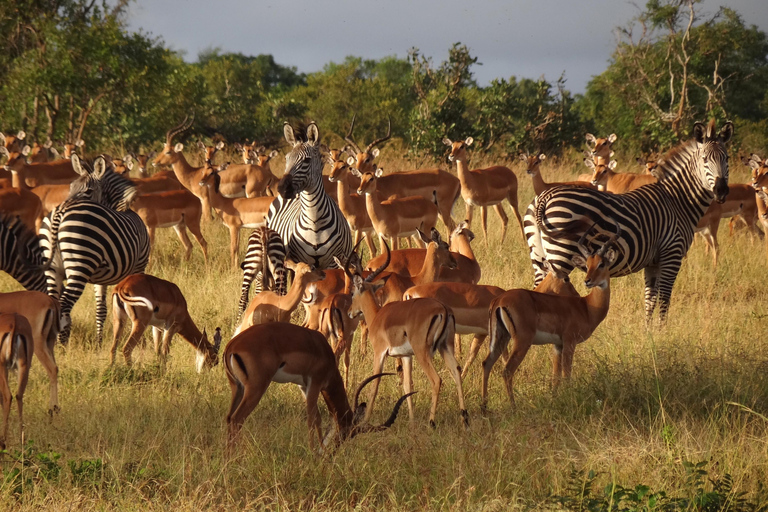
[640, 403]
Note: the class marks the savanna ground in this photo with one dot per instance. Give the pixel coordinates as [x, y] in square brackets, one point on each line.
[641, 407]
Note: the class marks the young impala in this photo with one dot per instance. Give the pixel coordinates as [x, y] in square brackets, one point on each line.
[533, 169]
[16, 349]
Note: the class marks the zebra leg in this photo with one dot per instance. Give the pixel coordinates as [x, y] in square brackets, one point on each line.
[668, 275]
[101, 310]
[651, 292]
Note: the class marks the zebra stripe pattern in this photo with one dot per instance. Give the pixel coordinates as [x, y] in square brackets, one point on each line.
[92, 238]
[657, 220]
[264, 265]
[310, 223]
[20, 254]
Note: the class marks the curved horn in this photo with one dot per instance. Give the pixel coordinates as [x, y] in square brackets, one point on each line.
[185, 124]
[583, 248]
[365, 383]
[379, 270]
[392, 417]
[612, 239]
[349, 138]
[386, 137]
[349, 258]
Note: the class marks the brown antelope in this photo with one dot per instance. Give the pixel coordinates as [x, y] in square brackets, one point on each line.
[16, 349]
[394, 218]
[42, 313]
[42, 153]
[533, 164]
[485, 187]
[235, 213]
[336, 281]
[19, 201]
[177, 209]
[13, 142]
[268, 306]
[616, 183]
[409, 262]
[141, 161]
[469, 303]
[335, 156]
[337, 326]
[534, 318]
[50, 196]
[353, 206]
[287, 353]
[146, 300]
[415, 328]
[48, 173]
[72, 148]
[427, 183]
[601, 149]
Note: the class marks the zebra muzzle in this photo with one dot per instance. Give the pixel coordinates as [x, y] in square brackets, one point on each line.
[721, 190]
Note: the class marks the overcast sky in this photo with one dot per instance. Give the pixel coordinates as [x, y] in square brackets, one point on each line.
[523, 38]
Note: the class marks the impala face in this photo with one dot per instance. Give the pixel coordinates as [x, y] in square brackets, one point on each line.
[458, 148]
[532, 163]
[601, 171]
[601, 148]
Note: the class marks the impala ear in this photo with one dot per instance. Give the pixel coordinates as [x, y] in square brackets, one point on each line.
[355, 172]
[542, 157]
[237, 146]
[423, 236]
[25, 150]
[220, 145]
[591, 140]
[201, 145]
[469, 141]
[610, 256]
[151, 154]
[612, 138]
[178, 148]
[273, 153]
[754, 165]
[375, 152]
[21, 135]
[523, 157]
[579, 261]
[589, 162]
[351, 161]
[612, 164]
[48, 144]
[379, 172]
[447, 141]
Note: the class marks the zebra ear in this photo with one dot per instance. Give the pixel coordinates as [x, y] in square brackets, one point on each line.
[290, 138]
[313, 135]
[726, 132]
[699, 132]
[78, 168]
[99, 168]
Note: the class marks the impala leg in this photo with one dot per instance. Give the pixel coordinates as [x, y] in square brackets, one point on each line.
[500, 336]
[569, 347]
[44, 353]
[313, 415]
[422, 356]
[557, 365]
[139, 324]
[101, 311]
[167, 338]
[407, 364]
[193, 223]
[370, 244]
[519, 351]
[455, 370]
[118, 320]
[469, 215]
[234, 244]
[484, 221]
[379, 356]
[363, 338]
[157, 340]
[245, 398]
[24, 361]
[504, 219]
[181, 232]
[5, 390]
[477, 342]
[151, 233]
[513, 203]
[457, 345]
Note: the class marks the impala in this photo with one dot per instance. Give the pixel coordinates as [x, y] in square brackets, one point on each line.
[13, 142]
[426, 183]
[268, 306]
[235, 213]
[72, 148]
[42, 312]
[485, 187]
[399, 217]
[16, 348]
[533, 164]
[50, 173]
[601, 149]
[336, 281]
[286, 353]
[250, 179]
[535, 318]
[146, 300]
[142, 160]
[245, 150]
[177, 209]
[18, 200]
[335, 157]
[337, 326]
[353, 206]
[409, 262]
[416, 328]
[43, 152]
[616, 183]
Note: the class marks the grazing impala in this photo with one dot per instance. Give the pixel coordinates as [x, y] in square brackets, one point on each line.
[416, 328]
[485, 187]
[42, 313]
[16, 348]
[146, 300]
[286, 353]
[353, 206]
[409, 262]
[535, 318]
[533, 164]
[268, 306]
[235, 213]
[337, 326]
[48, 173]
[394, 218]
[177, 209]
[426, 183]
[604, 177]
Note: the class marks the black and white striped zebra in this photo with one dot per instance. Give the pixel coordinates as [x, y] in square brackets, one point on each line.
[92, 237]
[657, 220]
[264, 265]
[20, 253]
[310, 223]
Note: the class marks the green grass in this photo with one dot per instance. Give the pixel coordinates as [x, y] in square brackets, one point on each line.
[640, 405]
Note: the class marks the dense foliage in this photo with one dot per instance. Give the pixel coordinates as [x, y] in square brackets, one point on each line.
[71, 68]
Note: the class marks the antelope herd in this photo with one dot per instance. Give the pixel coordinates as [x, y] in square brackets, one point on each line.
[409, 303]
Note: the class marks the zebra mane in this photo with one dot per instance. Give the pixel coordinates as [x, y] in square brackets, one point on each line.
[300, 131]
[675, 159]
[107, 188]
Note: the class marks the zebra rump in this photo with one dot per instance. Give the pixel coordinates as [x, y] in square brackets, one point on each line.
[264, 265]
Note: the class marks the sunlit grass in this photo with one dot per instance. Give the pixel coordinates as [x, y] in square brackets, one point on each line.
[640, 402]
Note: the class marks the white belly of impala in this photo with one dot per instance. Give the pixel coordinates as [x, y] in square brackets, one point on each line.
[403, 350]
[282, 377]
[547, 338]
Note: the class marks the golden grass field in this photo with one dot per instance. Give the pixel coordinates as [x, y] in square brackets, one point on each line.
[640, 404]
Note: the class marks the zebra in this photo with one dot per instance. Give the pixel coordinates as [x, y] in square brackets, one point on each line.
[265, 262]
[310, 223]
[92, 237]
[20, 253]
[657, 221]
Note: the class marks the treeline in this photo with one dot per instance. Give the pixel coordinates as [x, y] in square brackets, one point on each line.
[71, 69]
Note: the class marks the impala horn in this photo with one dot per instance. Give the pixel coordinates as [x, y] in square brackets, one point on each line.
[379, 270]
[349, 138]
[385, 138]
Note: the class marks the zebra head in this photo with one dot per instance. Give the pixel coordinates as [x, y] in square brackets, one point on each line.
[101, 184]
[303, 164]
[712, 161]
